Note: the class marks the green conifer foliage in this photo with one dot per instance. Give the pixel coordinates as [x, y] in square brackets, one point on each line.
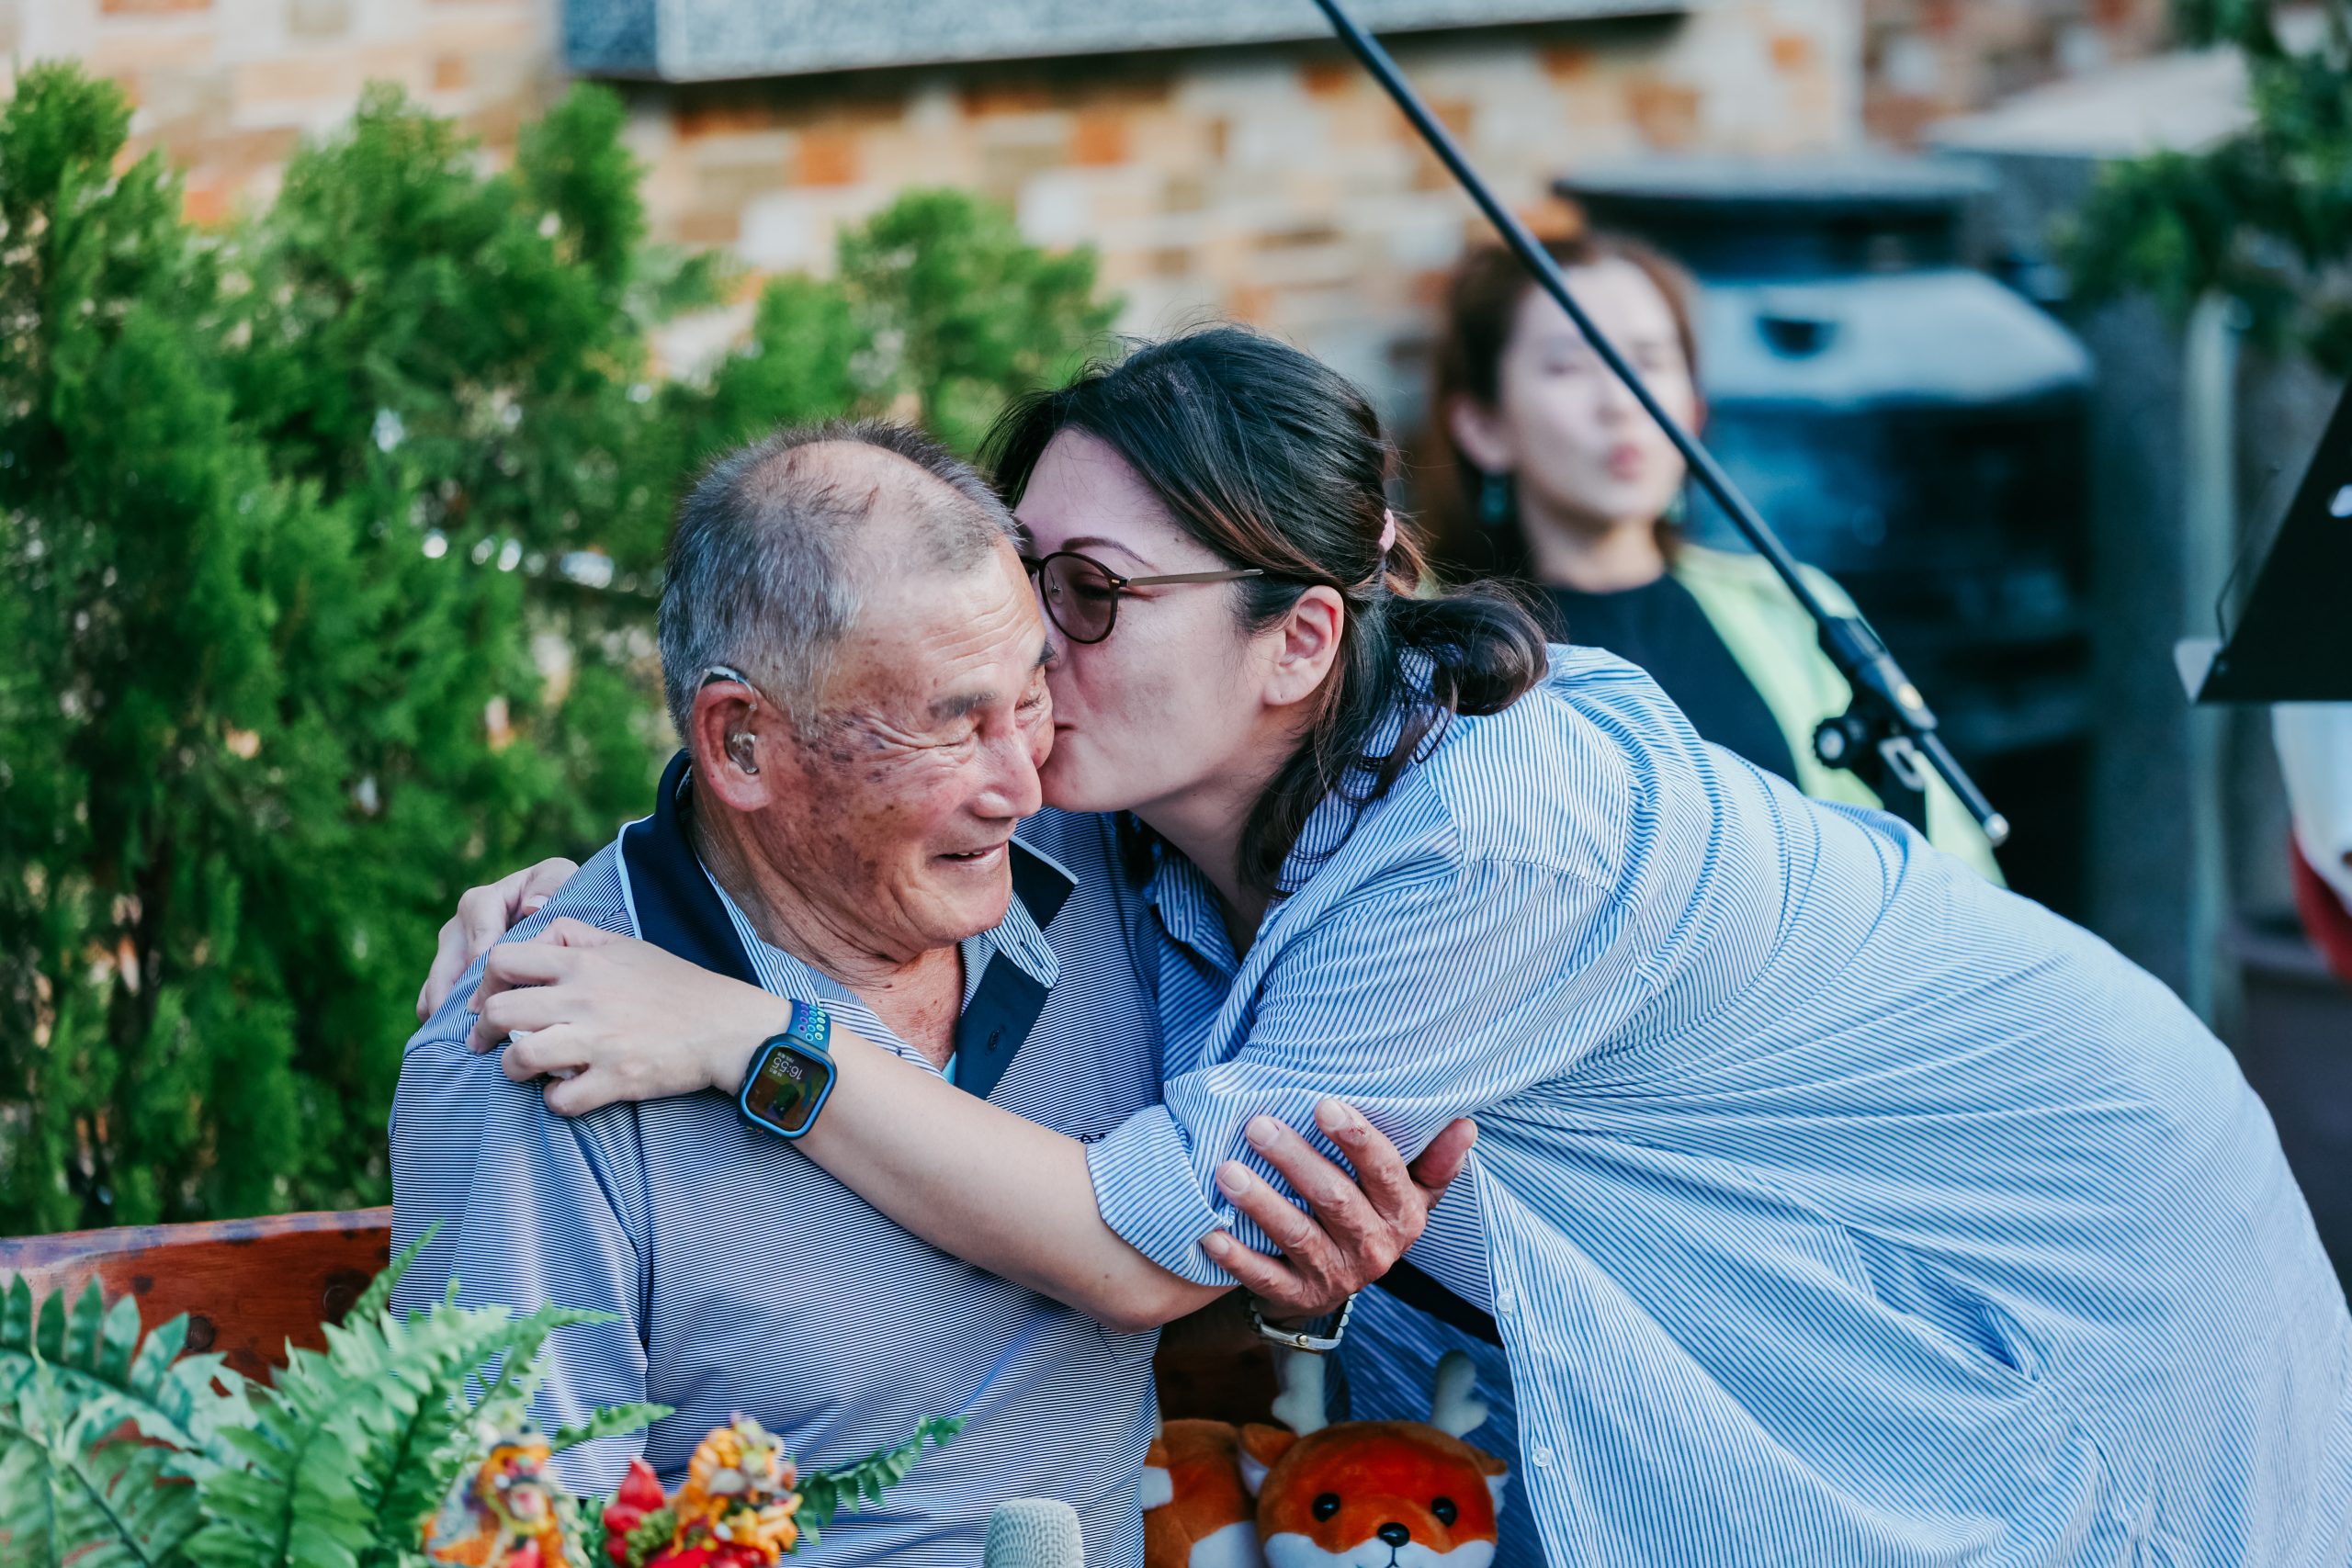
[2265, 219]
[329, 546]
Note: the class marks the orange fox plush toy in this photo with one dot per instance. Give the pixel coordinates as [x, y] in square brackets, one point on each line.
[1374, 1493]
[1197, 1513]
[1359, 1495]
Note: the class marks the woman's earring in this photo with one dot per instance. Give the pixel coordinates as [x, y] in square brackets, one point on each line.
[1494, 500]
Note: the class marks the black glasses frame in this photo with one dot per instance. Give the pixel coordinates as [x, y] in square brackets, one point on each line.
[1037, 566]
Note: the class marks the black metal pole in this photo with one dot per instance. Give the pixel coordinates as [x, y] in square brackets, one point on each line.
[1889, 716]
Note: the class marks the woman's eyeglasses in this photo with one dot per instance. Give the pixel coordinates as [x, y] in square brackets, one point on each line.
[1081, 595]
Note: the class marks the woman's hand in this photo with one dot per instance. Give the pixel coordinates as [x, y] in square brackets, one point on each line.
[612, 1017]
[485, 914]
[1361, 1223]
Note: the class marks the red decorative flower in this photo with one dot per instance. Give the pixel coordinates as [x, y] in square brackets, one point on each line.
[641, 1495]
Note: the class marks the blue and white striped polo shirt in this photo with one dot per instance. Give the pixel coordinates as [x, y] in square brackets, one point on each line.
[746, 1279]
[1837, 1207]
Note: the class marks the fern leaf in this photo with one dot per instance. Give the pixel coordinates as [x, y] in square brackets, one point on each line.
[74, 1488]
[295, 1503]
[375, 1301]
[16, 1316]
[608, 1421]
[84, 1325]
[824, 1493]
[100, 1363]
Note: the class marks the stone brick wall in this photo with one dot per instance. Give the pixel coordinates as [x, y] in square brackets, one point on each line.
[1274, 184]
[1926, 59]
[227, 87]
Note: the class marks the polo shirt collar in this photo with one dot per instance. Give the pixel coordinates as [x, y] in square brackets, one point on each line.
[676, 904]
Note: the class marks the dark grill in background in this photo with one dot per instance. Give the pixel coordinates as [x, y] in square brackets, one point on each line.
[1911, 426]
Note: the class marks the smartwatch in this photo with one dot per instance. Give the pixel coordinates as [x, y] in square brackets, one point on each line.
[791, 1074]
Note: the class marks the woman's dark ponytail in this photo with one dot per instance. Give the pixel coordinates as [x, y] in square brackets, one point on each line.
[1274, 460]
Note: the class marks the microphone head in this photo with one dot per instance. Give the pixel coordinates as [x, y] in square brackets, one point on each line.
[1034, 1532]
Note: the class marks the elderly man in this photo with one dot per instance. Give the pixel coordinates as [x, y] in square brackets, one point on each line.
[857, 844]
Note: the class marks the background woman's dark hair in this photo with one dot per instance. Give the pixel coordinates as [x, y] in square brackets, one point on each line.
[1481, 308]
[1273, 460]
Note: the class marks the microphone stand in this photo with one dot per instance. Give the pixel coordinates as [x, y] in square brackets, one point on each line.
[1888, 732]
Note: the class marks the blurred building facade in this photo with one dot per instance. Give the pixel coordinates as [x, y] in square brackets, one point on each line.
[1223, 157]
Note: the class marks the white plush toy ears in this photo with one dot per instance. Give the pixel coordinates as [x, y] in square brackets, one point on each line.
[1301, 1406]
[1455, 1408]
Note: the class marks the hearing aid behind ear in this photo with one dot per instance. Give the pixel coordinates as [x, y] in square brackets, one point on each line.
[739, 751]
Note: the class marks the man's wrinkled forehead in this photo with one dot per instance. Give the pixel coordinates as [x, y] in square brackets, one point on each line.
[935, 647]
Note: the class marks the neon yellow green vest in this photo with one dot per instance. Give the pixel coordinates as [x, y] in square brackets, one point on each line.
[1771, 636]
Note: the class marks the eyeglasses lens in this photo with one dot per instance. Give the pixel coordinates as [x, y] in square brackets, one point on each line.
[1079, 596]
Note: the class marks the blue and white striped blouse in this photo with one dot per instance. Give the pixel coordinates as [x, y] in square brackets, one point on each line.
[1835, 1206]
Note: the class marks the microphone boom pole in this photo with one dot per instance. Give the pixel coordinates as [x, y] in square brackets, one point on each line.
[1889, 729]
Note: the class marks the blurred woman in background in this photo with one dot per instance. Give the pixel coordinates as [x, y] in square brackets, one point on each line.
[1559, 477]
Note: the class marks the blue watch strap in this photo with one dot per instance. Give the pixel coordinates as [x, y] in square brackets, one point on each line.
[811, 1025]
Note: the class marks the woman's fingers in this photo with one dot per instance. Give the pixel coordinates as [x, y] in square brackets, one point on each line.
[485, 914]
[513, 964]
[559, 1049]
[451, 957]
[541, 883]
[577, 1096]
[526, 1010]
[566, 931]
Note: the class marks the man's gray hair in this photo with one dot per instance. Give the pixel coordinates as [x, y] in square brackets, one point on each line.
[760, 576]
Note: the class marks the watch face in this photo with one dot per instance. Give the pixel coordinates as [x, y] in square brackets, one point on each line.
[788, 1090]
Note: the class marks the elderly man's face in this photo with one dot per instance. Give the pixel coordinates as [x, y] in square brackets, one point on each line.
[937, 718]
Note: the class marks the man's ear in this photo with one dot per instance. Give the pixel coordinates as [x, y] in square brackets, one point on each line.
[1479, 434]
[1310, 645]
[734, 740]
[1262, 1448]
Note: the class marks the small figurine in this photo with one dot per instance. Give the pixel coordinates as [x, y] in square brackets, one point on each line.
[735, 1510]
[504, 1515]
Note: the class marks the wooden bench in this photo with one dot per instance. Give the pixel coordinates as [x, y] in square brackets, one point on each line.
[252, 1285]
[248, 1285]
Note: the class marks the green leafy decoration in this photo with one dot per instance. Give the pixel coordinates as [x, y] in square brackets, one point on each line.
[103, 1434]
[293, 653]
[355, 1446]
[652, 1534]
[2264, 219]
[608, 1421]
[97, 1357]
[77, 1487]
[825, 1493]
[118, 1451]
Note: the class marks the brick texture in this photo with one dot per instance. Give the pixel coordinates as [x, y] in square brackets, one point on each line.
[1926, 59]
[1275, 185]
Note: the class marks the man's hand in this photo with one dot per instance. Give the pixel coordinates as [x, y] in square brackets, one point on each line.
[485, 914]
[1361, 1224]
